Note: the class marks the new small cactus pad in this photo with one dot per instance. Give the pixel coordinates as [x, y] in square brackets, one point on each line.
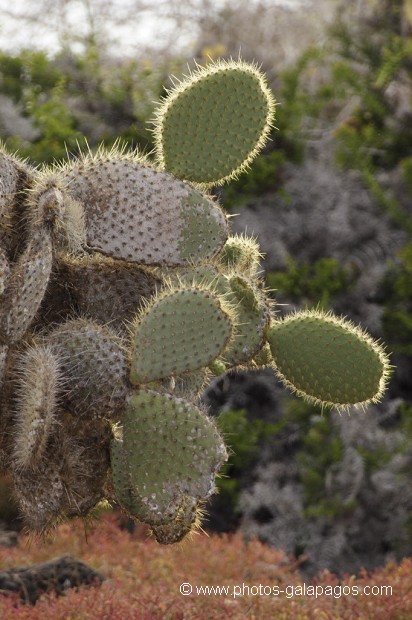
[328, 360]
[190, 385]
[50, 204]
[242, 254]
[171, 450]
[179, 331]
[213, 124]
[252, 316]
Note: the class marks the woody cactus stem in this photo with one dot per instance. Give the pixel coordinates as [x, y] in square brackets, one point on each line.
[122, 292]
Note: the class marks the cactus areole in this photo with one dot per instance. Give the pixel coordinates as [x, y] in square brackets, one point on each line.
[122, 293]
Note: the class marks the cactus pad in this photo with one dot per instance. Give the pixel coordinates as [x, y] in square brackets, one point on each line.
[94, 368]
[123, 492]
[241, 253]
[252, 316]
[39, 382]
[106, 290]
[15, 176]
[328, 360]
[180, 331]
[171, 450]
[49, 203]
[25, 287]
[250, 308]
[140, 214]
[214, 122]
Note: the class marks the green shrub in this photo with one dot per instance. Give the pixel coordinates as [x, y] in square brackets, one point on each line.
[29, 69]
[264, 175]
[244, 437]
[310, 283]
[397, 317]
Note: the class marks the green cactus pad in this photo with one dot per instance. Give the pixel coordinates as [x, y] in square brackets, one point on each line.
[179, 331]
[139, 214]
[171, 451]
[213, 123]
[252, 317]
[191, 384]
[328, 360]
[38, 384]
[94, 368]
[251, 308]
[217, 368]
[263, 357]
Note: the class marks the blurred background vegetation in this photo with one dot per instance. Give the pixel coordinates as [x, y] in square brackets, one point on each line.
[341, 71]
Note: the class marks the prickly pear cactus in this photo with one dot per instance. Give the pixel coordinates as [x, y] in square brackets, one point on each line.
[122, 293]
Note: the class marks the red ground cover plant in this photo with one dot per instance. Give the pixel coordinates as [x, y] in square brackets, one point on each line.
[143, 580]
